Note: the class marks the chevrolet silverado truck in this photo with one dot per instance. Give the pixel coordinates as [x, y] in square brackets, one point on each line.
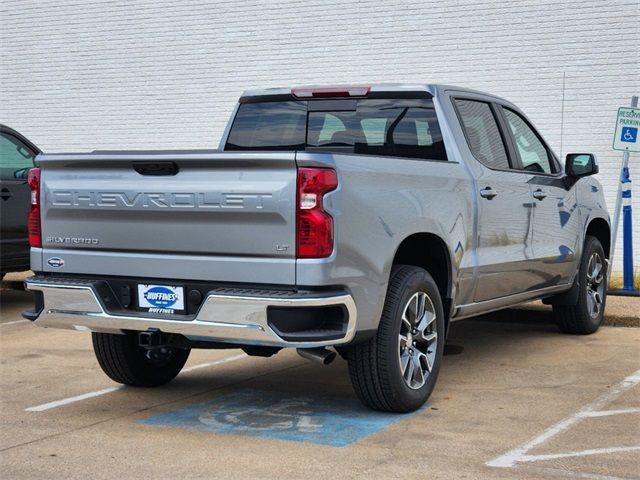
[361, 218]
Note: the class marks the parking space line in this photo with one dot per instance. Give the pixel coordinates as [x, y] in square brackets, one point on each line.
[512, 457]
[211, 364]
[606, 413]
[97, 393]
[583, 453]
[66, 401]
[13, 323]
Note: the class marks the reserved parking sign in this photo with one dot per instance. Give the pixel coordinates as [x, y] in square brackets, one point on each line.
[627, 126]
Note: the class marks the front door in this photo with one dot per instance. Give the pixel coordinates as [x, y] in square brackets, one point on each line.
[556, 218]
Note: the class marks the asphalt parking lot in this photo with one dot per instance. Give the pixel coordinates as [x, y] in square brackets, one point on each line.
[515, 399]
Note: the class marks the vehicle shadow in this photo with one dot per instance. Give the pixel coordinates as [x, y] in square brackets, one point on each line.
[11, 297]
[301, 400]
[474, 341]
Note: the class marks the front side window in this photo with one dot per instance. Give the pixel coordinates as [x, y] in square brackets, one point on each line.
[533, 153]
[483, 135]
[382, 127]
[15, 158]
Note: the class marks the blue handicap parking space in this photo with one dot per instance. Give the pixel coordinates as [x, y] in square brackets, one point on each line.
[327, 421]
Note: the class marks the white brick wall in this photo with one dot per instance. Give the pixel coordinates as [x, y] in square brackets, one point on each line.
[82, 75]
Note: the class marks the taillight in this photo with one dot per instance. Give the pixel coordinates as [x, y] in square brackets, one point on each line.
[328, 92]
[314, 226]
[35, 232]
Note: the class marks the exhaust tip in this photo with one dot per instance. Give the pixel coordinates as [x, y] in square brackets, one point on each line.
[318, 355]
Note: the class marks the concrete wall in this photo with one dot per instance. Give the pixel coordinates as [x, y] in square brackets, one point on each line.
[83, 75]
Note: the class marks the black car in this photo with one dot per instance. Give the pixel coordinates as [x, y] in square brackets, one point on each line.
[16, 158]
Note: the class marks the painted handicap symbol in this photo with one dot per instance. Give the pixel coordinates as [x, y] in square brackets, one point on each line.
[333, 421]
[292, 414]
[629, 134]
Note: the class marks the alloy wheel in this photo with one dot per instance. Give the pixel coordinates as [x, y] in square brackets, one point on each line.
[418, 340]
[595, 285]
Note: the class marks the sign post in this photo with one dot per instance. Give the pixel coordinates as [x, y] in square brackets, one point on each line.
[626, 139]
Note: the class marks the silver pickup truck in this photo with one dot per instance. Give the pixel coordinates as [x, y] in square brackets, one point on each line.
[362, 218]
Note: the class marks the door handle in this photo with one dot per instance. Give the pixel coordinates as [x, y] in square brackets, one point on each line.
[488, 193]
[5, 194]
[539, 194]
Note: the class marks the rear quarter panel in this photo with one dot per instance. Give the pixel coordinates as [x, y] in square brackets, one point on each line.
[380, 202]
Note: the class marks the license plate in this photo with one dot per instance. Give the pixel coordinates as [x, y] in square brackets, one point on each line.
[161, 298]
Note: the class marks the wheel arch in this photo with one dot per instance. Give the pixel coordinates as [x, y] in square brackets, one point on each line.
[429, 251]
[598, 227]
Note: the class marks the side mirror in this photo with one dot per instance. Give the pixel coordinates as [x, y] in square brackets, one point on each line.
[581, 165]
[22, 174]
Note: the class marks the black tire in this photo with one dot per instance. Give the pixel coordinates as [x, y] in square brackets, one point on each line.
[124, 361]
[375, 365]
[581, 319]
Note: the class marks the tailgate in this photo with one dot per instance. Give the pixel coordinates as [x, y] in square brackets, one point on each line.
[200, 216]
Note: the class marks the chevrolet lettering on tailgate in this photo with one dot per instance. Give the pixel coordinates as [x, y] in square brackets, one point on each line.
[211, 200]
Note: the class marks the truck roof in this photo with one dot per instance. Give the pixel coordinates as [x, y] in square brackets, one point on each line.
[431, 88]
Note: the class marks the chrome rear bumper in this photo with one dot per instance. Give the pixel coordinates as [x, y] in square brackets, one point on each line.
[229, 317]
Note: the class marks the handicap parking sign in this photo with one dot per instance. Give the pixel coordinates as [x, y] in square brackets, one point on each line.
[626, 136]
[629, 134]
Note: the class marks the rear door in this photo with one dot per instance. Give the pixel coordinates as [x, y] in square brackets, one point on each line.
[16, 158]
[505, 219]
[557, 227]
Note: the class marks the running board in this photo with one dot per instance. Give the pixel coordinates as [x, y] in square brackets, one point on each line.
[488, 306]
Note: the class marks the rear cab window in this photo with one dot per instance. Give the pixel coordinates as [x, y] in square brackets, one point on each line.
[397, 127]
[269, 126]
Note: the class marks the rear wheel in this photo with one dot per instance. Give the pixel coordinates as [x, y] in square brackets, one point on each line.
[586, 315]
[124, 361]
[396, 370]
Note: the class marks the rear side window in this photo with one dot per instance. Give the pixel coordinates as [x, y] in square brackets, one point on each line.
[382, 127]
[483, 135]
